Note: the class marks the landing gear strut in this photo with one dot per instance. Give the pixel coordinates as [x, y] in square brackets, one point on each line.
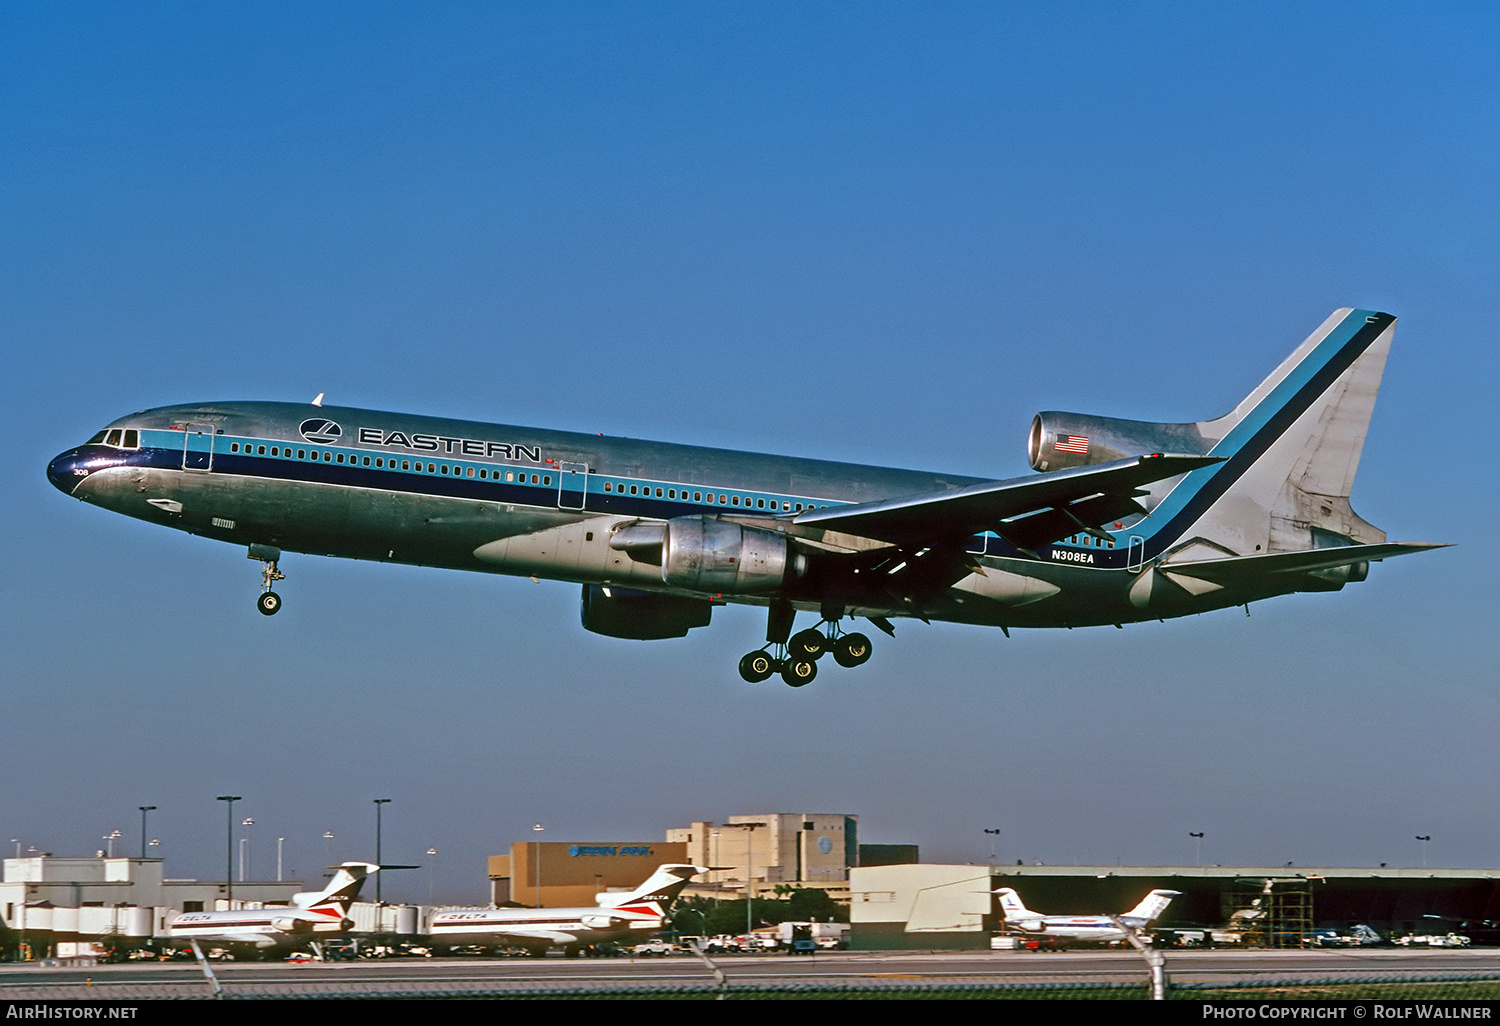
[269, 602]
[795, 656]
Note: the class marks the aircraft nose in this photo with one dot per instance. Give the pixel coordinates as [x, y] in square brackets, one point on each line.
[67, 470]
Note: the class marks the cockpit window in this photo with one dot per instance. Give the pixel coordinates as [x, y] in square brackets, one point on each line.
[120, 438]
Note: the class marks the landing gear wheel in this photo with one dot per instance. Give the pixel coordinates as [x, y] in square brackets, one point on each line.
[757, 666]
[268, 603]
[807, 645]
[851, 650]
[799, 672]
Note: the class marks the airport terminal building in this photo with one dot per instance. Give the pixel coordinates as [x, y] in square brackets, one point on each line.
[933, 906]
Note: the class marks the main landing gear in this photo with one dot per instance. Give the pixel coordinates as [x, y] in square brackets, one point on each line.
[795, 656]
[269, 603]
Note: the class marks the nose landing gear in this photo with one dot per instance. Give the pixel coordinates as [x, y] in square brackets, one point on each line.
[269, 603]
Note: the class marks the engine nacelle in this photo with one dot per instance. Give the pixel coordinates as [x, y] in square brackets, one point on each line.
[291, 924]
[700, 554]
[641, 615]
[1058, 441]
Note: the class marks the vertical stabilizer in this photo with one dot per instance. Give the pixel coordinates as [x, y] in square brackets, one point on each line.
[660, 889]
[341, 892]
[1011, 905]
[1290, 449]
[1151, 906]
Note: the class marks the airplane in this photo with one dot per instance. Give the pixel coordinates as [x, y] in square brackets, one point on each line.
[616, 915]
[310, 916]
[1128, 521]
[1088, 928]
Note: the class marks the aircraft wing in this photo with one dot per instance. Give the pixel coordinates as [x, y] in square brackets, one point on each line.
[550, 936]
[238, 937]
[1026, 511]
[1233, 570]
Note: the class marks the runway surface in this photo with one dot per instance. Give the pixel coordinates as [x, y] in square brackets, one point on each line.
[685, 974]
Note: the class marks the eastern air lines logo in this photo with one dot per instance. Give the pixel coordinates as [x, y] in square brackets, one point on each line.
[319, 430]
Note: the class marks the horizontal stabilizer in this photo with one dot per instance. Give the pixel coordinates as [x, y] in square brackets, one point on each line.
[933, 516]
[1234, 570]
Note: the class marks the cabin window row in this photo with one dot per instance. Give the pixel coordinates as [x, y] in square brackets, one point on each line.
[381, 462]
[722, 499]
[511, 476]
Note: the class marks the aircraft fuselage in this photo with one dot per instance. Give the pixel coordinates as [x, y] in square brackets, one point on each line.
[527, 502]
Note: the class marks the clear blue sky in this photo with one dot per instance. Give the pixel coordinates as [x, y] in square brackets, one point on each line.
[885, 233]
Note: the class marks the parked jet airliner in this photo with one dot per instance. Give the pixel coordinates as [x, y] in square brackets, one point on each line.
[310, 917]
[1127, 521]
[616, 915]
[1090, 928]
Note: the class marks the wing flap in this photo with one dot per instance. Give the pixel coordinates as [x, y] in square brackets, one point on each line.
[1036, 529]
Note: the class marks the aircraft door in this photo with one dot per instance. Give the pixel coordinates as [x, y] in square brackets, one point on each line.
[198, 447]
[572, 485]
[1136, 554]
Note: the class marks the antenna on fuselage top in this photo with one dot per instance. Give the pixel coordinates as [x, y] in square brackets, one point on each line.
[319, 400]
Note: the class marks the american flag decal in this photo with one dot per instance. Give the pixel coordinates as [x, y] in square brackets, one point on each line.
[1073, 443]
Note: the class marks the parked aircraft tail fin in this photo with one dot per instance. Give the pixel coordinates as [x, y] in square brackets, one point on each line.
[1152, 906]
[657, 893]
[341, 892]
[1011, 905]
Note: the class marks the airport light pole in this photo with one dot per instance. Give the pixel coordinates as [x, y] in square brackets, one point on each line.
[248, 851]
[144, 809]
[229, 845]
[279, 842]
[432, 854]
[994, 840]
[1199, 838]
[749, 829]
[537, 828]
[1424, 838]
[378, 861]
